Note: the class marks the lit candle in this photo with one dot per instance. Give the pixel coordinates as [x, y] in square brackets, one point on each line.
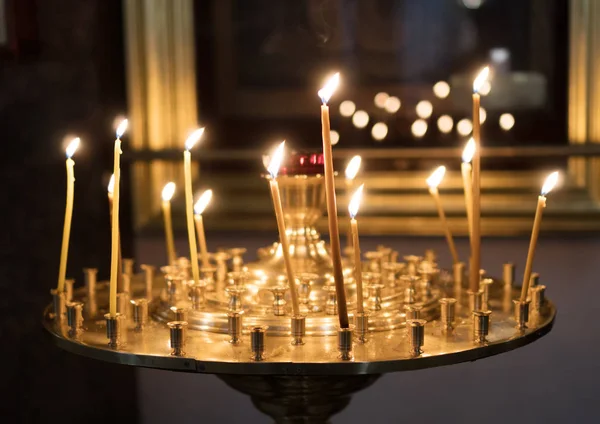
[546, 188]
[334, 233]
[351, 171]
[199, 207]
[476, 231]
[189, 200]
[433, 182]
[64, 252]
[467, 176]
[353, 210]
[273, 169]
[110, 191]
[114, 256]
[167, 194]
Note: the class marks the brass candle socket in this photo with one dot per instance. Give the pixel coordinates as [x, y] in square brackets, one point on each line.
[257, 342]
[447, 313]
[124, 305]
[178, 336]
[237, 260]
[298, 324]
[374, 300]
[128, 266]
[59, 305]
[148, 279]
[344, 339]
[306, 280]
[221, 259]
[278, 300]
[114, 330]
[75, 318]
[90, 280]
[140, 313]
[475, 300]
[208, 274]
[235, 298]
[331, 303]
[174, 288]
[415, 336]
[69, 283]
[458, 272]
[481, 325]
[484, 287]
[180, 314]
[538, 298]
[508, 275]
[413, 311]
[237, 278]
[361, 324]
[234, 326]
[197, 295]
[521, 313]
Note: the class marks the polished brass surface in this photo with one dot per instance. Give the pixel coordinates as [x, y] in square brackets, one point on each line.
[386, 351]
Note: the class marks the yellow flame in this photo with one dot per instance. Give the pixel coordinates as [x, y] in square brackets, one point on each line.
[202, 202]
[355, 201]
[122, 128]
[111, 184]
[436, 177]
[353, 167]
[329, 88]
[276, 159]
[550, 182]
[469, 151]
[168, 191]
[481, 78]
[72, 147]
[193, 138]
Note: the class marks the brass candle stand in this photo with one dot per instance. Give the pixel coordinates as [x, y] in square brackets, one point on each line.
[237, 322]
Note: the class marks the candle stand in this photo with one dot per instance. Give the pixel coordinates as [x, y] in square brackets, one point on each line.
[299, 369]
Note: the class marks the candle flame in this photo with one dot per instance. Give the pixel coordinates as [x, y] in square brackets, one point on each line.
[111, 184]
[276, 159]
[72, 147]
[481, 78]
[329, 88]
[550, 182]
[436, 177]
[353, 167]
[355, 201]
[193, 138]
[203, 202]
[122, 128]
[469, 151]
[168, 191]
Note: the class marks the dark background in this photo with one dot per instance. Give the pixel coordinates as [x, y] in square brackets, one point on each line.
[64, 76]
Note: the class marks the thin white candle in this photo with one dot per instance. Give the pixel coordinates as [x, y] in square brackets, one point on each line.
[199, 208]
[167, 194]
[433, 182]
[351, 171]
[114, 255]
[549, 184]
[64, 252]
[273, 168]
[189, 201]
[353, 211]
[466, 171]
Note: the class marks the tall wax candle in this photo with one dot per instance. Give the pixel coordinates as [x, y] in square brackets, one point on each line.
[334, 233]
[199, 207]
[467, 177]
[273, 169]
[114, 255]
[350, 174]
[433, 182]
[549, 184]
[189, 201]
[353, 211]
[476, 234]
[110, 191]
[167, 194]
[64, 251]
